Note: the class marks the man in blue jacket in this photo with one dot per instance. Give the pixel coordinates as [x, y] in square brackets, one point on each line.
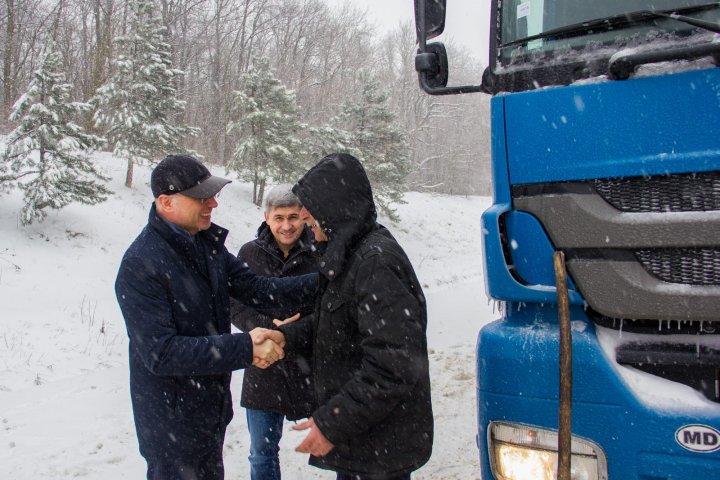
[174, 286]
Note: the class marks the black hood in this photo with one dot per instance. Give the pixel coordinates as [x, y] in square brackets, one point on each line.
[337, 193]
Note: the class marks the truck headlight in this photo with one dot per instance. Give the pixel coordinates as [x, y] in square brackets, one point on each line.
[521, 452]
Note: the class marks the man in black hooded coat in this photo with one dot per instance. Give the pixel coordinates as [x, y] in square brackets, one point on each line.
[368, 335]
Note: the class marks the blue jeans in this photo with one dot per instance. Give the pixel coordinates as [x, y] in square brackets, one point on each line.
[265, 433]
[341, 476]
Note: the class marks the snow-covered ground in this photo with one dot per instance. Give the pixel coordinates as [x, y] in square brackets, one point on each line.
[64, 400]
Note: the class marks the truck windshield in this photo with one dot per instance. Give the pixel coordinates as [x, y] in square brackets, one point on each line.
[543, 26]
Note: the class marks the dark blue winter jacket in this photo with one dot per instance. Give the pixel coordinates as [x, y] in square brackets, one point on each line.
[174, 292]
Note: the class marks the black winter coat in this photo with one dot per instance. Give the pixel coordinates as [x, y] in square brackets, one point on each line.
[369, 336]
[284, 387]
[174, 294]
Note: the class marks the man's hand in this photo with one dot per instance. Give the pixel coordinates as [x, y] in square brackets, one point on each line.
[259, 335]
[280, 323]
[315, 443]
[267, 347]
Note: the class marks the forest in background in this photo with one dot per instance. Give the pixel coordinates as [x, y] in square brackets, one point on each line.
[328, 58]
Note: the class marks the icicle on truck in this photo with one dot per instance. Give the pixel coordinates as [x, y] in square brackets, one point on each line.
[605, 119]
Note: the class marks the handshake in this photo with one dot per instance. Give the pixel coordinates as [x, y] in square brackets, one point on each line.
[268, 344]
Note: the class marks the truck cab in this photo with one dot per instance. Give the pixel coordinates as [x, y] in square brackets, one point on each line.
[605, 124]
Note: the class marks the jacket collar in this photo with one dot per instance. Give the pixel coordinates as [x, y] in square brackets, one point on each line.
[267, 242]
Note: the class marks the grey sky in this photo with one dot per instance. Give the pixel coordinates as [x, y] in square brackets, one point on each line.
[467, 21]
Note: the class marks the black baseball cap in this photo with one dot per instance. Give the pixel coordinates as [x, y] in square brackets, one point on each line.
[184, 174]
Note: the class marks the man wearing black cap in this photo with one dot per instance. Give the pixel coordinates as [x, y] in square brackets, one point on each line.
[174, 286]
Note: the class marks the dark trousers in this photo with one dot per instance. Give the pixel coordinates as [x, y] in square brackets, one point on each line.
[202, 467]
[405, 476]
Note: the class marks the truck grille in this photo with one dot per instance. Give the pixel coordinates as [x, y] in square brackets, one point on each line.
[691, 266]
[694, 192]
[643, 249]
[645, 254]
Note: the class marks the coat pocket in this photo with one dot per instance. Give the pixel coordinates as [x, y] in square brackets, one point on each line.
[337, 317]
[337, 333]
[332, 302]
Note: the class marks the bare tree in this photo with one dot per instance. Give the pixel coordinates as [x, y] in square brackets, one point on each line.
[450, 147]
[11, 13]
[24, 29]
[103, 17]
[315, 49]
[214, 55]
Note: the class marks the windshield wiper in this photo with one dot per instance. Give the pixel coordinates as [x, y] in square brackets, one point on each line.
[623, 19]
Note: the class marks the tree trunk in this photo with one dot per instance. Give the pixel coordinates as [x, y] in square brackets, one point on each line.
[129, 173]
[255, 187]
[7, 58]
[261, 193]
[103, 41]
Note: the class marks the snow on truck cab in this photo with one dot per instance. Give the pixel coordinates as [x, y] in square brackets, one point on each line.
[605, 124]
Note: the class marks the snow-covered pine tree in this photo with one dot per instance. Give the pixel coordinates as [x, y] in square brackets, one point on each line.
[325, 139]
[266, 124]
[46, 156]
[373, 136]
[138, 105]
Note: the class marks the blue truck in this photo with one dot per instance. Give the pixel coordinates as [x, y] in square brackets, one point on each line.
[605, 124]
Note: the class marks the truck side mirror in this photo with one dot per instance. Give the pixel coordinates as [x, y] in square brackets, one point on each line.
[433, 20]
[431, 61]
[432, 66]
